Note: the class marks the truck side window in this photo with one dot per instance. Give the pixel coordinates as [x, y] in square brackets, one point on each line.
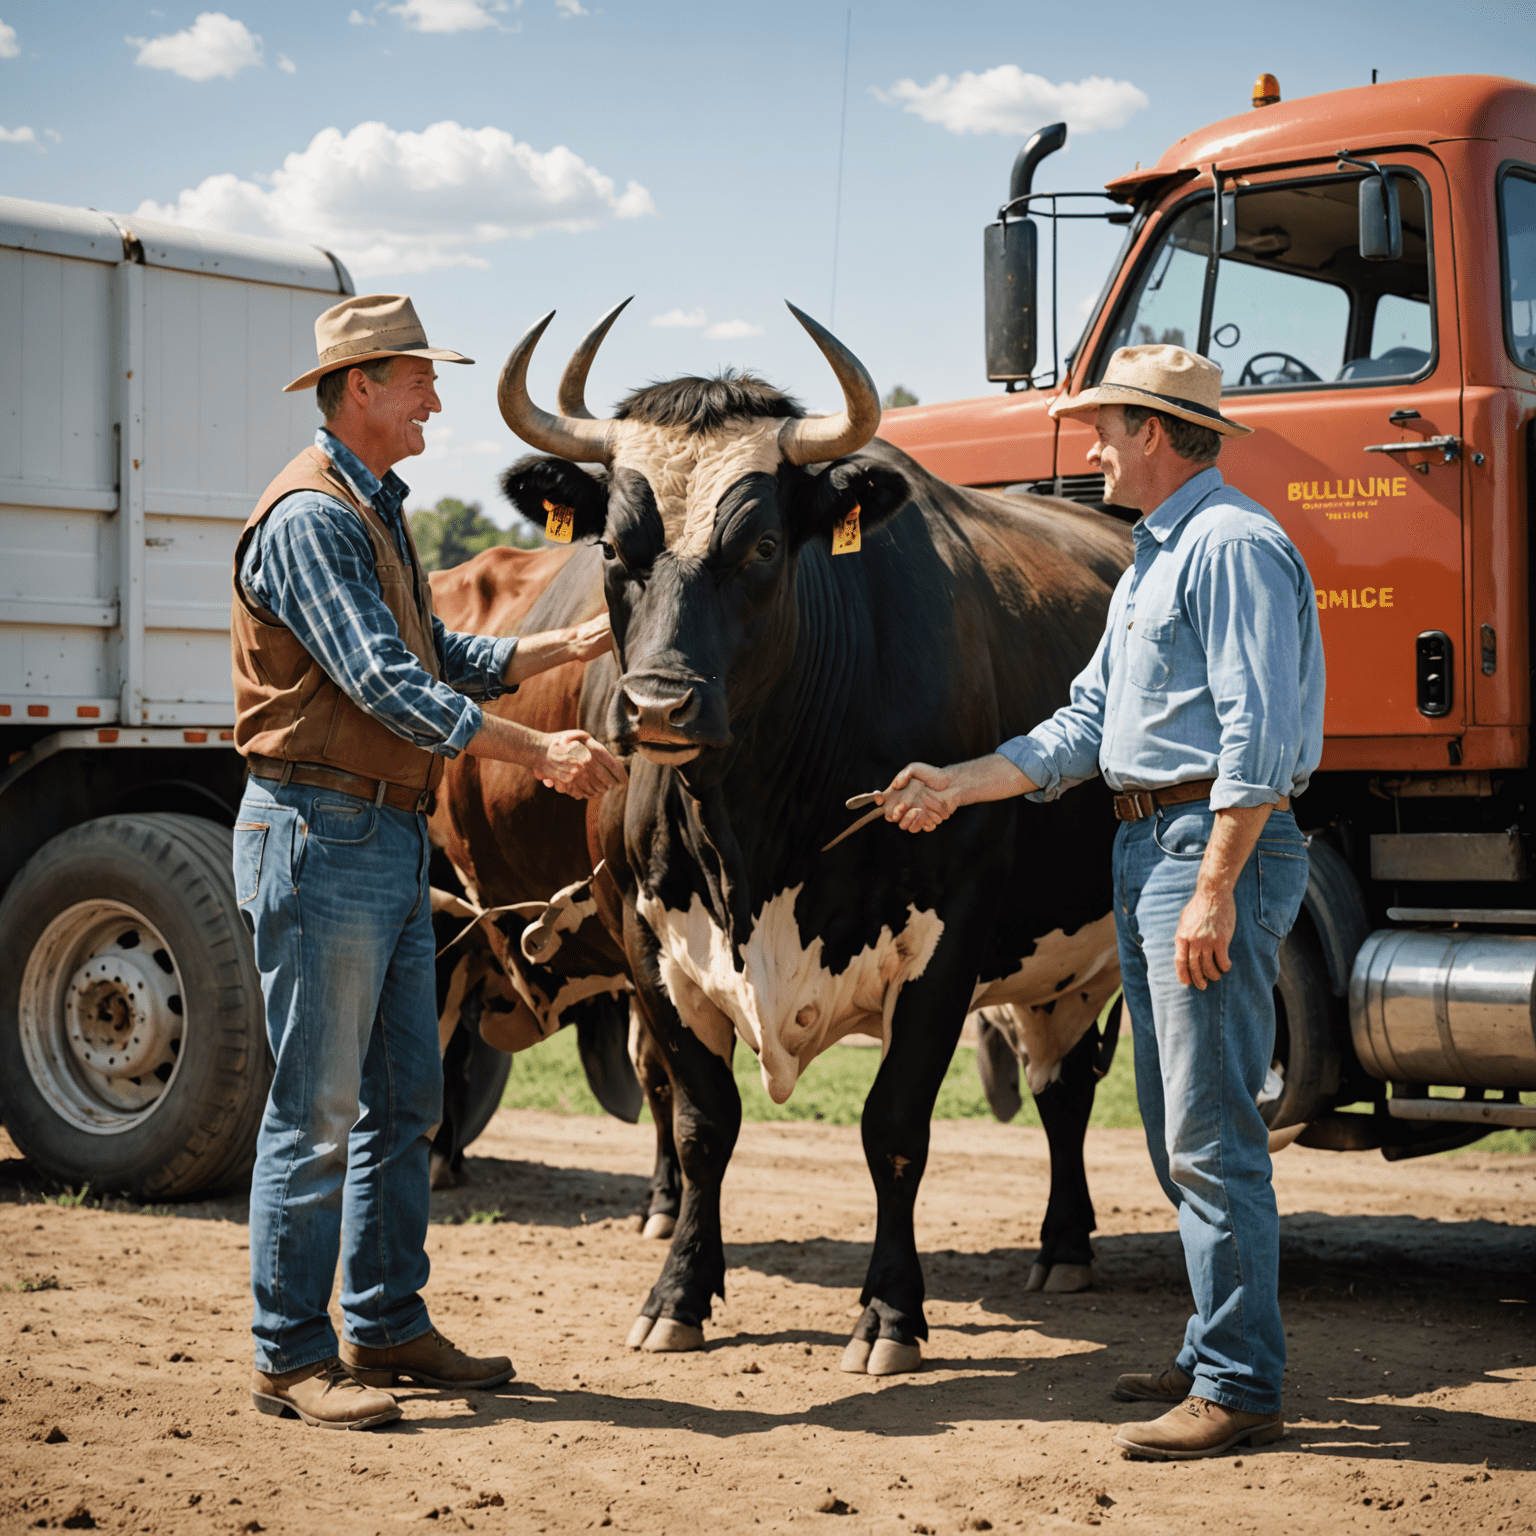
[1295, 305]
[1517, 226]
[1164, 305]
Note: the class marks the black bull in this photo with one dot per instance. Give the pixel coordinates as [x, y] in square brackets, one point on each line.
[758, 684]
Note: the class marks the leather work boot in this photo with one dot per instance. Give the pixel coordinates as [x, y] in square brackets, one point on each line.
[1169, 1386]
[324, 1395]
[429, 1360]
[1198, 1428]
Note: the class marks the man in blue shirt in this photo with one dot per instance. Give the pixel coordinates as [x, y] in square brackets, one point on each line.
[349, 697]
[1203, 709]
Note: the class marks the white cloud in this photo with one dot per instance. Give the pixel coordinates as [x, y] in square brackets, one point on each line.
[286, 64]
[571, 8]
[214, 45]
[683, 317]
[449, 15]
[732, 330]
[9, 47]
[1007, 100]
[388, 201]
[17, 136]
[54, 134]
[358, 19]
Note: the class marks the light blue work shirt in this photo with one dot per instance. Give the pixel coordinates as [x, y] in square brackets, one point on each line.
[1210, 667]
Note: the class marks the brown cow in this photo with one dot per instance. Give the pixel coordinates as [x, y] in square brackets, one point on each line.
[505, 845]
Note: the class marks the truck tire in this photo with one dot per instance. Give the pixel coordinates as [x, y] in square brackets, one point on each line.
[216, 841]
[133, 1052]
[1306, 1042]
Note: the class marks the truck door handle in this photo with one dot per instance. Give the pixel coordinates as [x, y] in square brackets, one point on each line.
[1450, 447]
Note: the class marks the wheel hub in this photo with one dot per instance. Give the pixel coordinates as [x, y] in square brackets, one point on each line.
[101, 1016]
[115, 1016]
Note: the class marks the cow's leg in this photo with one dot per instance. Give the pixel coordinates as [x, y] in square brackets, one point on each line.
[1066, 1256]
[925, 1028]
[706, 1117]
[666, 1192]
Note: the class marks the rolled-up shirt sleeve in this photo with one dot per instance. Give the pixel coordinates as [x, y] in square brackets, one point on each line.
[312, 568]
[474, 665]
[1064, 750]
[1243, 600]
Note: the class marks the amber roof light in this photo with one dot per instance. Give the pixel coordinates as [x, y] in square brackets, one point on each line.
[1266, 91]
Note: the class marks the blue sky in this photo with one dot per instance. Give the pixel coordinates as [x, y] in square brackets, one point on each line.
[562, 154]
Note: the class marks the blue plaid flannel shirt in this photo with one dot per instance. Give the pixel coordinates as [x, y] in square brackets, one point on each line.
[311, 565]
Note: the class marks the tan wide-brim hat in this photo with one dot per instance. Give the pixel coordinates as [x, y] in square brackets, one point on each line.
[1162, 378]
[371, 325]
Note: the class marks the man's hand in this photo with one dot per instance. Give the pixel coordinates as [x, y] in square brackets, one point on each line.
[594, 638]
[921, 797]
[578, 765]
[918, 799]
[1207, 924]
[554, 647]
[1205, 931]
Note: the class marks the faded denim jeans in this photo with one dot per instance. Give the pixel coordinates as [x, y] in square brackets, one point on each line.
[1201, 1060]
[335, 891]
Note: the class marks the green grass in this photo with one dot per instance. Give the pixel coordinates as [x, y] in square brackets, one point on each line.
[833, 1088]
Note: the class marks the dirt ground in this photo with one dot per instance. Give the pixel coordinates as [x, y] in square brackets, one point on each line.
[1407, 1292]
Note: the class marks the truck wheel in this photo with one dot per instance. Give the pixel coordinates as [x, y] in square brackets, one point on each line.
[1306, 1059]
[133, 1052]
[216, 841]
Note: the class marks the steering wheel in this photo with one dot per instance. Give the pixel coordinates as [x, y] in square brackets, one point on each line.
[1291, 370]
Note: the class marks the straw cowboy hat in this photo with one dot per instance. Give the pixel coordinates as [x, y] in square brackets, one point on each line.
[371, 325]
[1160, 378]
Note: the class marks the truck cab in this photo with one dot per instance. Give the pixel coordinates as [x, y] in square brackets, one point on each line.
[1390, 379]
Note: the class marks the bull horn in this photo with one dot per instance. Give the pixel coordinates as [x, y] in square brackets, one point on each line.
[818, 439]
[583, 441]
[572, 396]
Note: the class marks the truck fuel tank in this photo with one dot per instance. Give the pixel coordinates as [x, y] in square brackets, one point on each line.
[1445, 1007]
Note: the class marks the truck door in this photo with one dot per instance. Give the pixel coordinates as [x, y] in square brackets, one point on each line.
[1327, 355]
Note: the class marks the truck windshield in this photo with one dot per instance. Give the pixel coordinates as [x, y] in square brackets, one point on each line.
[1295, 304]
[1517, 223]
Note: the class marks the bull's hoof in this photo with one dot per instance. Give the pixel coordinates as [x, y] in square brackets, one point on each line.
[888, 1358]
[637, 1334]
[856, 1356]
[1069, 1278]
[1037, 1277]
[659, 1226]
[670, 1337]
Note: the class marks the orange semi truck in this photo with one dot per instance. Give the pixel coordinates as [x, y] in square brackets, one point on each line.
[1363, 266]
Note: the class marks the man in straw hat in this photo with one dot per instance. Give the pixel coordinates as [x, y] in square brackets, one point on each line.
[349, 696]
[1203, 709]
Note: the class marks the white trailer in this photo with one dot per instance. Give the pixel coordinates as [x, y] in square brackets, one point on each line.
[141, 414]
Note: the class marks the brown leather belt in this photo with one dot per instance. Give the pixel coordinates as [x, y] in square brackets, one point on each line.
[400, 796]
[1138, 804]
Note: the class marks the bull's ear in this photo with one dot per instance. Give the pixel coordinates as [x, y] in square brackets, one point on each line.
[827, 498]
[535, 484]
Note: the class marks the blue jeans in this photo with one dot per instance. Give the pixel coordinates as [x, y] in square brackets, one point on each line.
[1201, 1059]
[335, 891]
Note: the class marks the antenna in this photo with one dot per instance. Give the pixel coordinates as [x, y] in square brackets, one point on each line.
[837, 208]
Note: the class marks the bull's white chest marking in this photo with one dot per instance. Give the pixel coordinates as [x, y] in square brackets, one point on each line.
[783, 1002]
[689, 472]
[1043, 1017]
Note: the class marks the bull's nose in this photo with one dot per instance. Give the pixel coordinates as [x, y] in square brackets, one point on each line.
[648, 711]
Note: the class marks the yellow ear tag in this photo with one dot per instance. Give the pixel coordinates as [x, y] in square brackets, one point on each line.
[560, 522]
[845, 533]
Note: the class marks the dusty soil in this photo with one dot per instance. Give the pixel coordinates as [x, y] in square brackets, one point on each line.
[1407, 1293]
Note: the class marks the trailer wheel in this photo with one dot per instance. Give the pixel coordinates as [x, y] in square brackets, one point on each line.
[1306, 1059]
[133, 1053]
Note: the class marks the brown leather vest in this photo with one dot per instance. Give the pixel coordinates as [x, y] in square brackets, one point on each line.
[285, 703]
